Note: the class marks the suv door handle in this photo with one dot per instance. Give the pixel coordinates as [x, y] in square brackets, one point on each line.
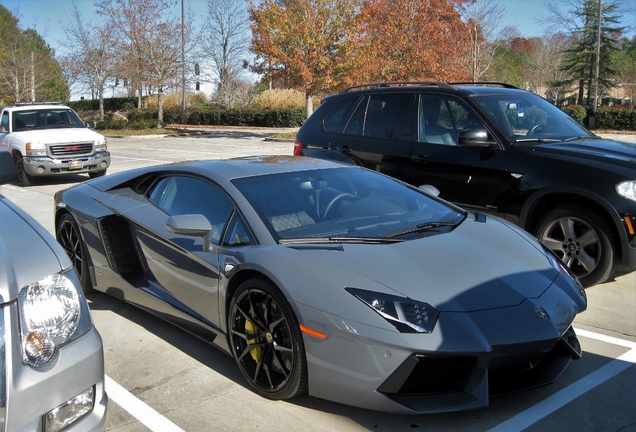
[420, 158]
[344, 149]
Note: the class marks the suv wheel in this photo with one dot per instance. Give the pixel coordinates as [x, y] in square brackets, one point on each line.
[23, 178]
[581, 239]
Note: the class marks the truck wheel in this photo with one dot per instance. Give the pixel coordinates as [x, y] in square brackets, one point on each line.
[581, 238]
[23, 178]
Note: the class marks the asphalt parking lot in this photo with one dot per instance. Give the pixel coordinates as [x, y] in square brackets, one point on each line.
[162, 379]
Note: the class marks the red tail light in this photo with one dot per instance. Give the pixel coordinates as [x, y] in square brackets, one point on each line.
[298, 148]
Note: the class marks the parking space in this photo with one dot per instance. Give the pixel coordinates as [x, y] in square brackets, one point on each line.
[163, 379]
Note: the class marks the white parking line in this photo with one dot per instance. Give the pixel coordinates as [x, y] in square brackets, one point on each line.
[563, 397]
[142, 412]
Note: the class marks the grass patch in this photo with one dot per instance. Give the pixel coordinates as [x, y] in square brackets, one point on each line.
[284, 135]
[133, 132]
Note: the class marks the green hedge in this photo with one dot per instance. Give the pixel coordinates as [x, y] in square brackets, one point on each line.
[619, 117]
[123, 103]
[577, 112]
[214, 116]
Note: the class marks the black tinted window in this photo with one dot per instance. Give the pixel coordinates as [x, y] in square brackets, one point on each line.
[337, 118]
[385, 116]
[186, 195]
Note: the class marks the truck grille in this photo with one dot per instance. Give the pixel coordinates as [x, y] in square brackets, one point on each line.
[71, 149]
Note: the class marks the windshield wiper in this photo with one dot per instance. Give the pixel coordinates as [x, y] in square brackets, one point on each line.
[338, 239]
[582, 137]
[539, 140]
[419, 228]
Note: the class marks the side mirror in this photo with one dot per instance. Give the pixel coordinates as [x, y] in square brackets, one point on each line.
[192, 225]
[7, 168]
[90, 124]
[429, 190]
[475, 138]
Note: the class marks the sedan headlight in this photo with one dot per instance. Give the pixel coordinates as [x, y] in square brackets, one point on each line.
[627, 189]
[53, 312]
[408, 316]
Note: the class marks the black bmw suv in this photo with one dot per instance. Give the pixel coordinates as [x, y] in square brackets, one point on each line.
[496, 149]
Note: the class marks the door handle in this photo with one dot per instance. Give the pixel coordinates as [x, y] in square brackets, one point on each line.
[420, 158]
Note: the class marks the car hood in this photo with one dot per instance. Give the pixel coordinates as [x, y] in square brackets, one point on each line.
[61, 136]
[599, 149]
[476, 266]
[29, 253]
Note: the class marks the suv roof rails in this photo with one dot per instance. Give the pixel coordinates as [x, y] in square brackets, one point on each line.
[399, 84]
[485, 84]
[36, 103]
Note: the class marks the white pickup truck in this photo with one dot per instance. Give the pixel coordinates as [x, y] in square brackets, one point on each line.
[49, 139]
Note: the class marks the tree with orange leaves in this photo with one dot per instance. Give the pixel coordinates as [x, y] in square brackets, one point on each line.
[412, 40]
[306, 42]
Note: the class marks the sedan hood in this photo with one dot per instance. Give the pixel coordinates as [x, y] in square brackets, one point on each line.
[29, 253]
[475, 267]
[598, 149]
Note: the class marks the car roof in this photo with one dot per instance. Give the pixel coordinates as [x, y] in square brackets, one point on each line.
[26, 106]
[465, 88]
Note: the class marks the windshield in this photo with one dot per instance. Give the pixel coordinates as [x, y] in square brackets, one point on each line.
[50, 118]
[528, 117]
[344, 203]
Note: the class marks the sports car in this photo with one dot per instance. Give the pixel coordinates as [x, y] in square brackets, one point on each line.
[328, 279]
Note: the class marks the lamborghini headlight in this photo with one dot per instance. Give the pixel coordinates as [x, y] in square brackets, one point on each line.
[627, 189]
[53, 312]
[408, 316]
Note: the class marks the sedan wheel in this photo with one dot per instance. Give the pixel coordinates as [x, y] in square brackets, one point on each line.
[68, 236]
[265, 340]
[581, 239]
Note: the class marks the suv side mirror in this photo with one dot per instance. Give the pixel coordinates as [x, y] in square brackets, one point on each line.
[7, 168]
[475, 138]
[90, 124]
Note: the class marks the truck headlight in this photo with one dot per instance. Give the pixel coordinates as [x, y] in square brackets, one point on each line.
[53, 312]
[35, 149]
[100, 145]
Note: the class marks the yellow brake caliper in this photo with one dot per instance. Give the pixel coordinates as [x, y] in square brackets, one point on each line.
[250, 330]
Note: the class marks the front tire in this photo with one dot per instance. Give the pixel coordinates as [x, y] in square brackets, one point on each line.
[265, 340]
[24, 179]
[582, 240]
[68, 235]
[97, 174]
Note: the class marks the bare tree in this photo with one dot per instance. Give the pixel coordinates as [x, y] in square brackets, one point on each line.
[227, 42]
[91, 53]
[483, 18]
[149, 42]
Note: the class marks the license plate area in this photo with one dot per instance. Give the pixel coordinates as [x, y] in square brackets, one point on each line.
[74, 165]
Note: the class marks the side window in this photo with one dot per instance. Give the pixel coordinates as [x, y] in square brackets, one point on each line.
[5, 120]
[237, 233]
[442, 118]
[337, 118]
[180, 195]
[388, 116]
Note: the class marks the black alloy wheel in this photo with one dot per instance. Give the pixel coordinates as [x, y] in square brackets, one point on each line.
[581, 239]
[266, 341]
[69, 237]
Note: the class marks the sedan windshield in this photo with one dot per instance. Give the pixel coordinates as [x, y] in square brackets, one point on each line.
[52, 118]
[526, 117]
[345, 204]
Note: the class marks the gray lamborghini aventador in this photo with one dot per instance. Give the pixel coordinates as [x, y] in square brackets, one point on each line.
[329, 279]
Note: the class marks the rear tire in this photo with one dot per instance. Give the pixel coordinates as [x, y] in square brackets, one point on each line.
[582, 239]
[68, 235]
[265, 340]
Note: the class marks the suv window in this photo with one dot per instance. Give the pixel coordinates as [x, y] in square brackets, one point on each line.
[382, 116]
[337, 118]
[441, 118]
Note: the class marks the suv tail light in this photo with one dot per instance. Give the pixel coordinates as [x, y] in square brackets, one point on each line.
[298, 148]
